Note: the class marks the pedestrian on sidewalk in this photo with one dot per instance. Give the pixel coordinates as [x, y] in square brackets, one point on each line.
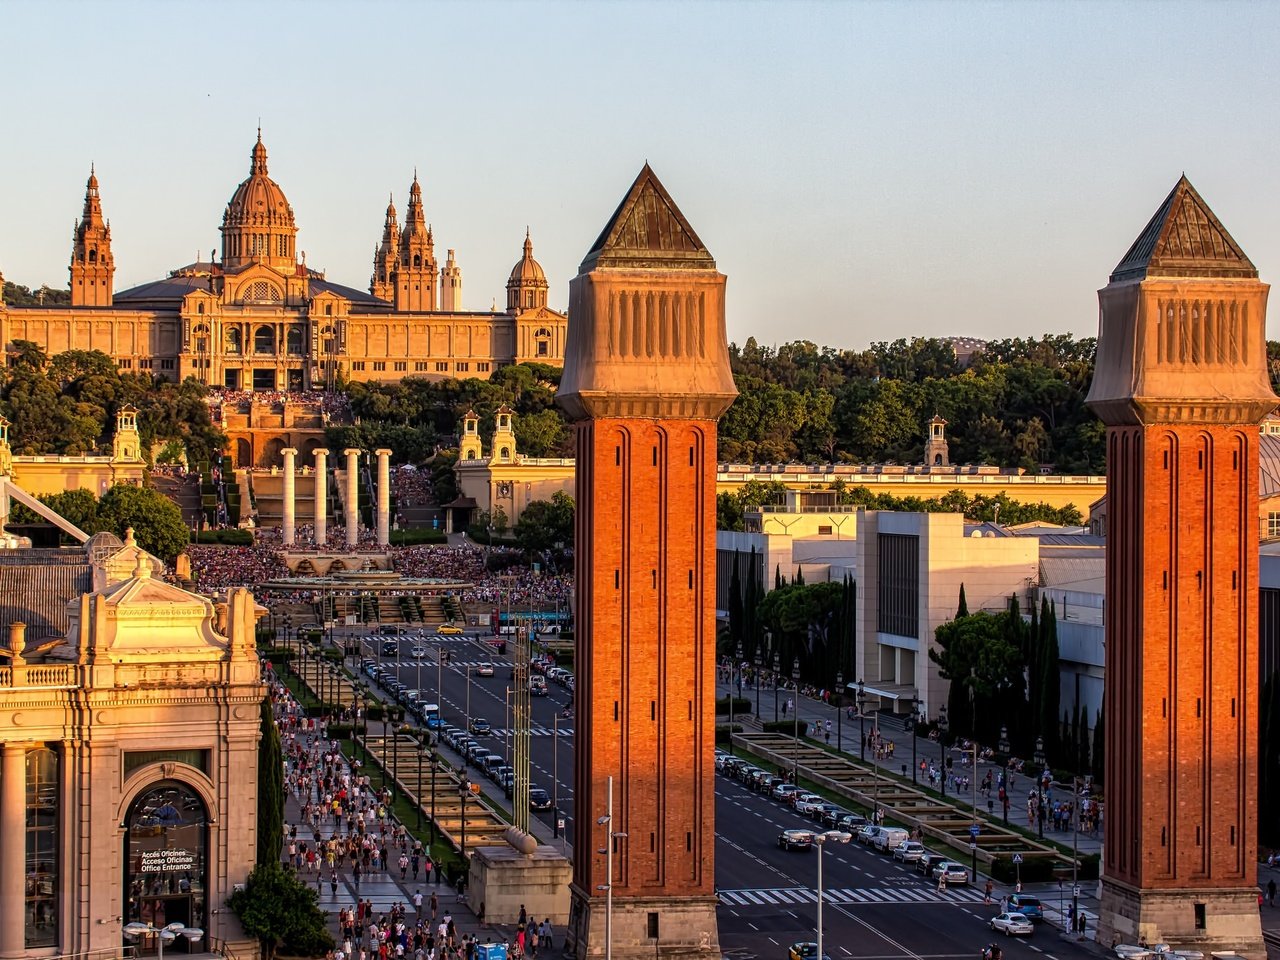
[986, 893]
[942, 883]
[1271, 892]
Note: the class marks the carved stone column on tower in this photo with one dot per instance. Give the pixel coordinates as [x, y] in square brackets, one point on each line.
[352, 505]
[289, 521]
[384, 496]
[646, 377]
[322, 497]
[13, 850]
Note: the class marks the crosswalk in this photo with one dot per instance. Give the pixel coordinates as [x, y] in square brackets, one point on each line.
[792, 896]
[536, 731]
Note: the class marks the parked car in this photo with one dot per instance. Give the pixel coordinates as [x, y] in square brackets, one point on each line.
[851, 822]
[888, 838]
[867, 834]
[391, 648]
[795, 839]
[537, 687]
[1026, 905]
[805, 803]
[928, 861]
[909, 851]
[783, 791]
[767, 784]
[1013, 924]
[820, 811]
[954, 872]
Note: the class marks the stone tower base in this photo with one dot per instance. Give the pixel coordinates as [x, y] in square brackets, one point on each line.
[1230, 917]
[686, 928]
[504, 880]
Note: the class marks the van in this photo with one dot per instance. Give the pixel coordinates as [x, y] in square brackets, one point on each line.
[888, 838]
[491, 763]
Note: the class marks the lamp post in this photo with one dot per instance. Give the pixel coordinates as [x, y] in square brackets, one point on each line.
[1004, 746]
[777, 667]
[733, 687]
[607, 888]
[423, 747]
[822, 839]
[839, 722]
[1038, 758]
[862, 718]
[163, 935]
[913, 719]
[942, 742]
[795, 720]
[555, 775]
[435, 765]
[288, 628]
[1073, 810]
[758, 661]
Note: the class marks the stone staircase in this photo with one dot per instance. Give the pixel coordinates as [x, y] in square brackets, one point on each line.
[184, 492]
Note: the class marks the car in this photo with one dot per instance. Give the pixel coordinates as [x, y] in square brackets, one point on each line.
[805, 950]
[480, 726]
[484, 670]
[537, 687]
[391, 648]
[539, 799]
[954, 872]
[783, 791]
[795, 839]
[909, 851]
[1013, 924]
[867, 834]
[805, 802]
[435, 722]
[928, 861]
[417, 651]
[851, 822]
[449, 630]
[1026, 905]
[745, 772]
[888, 838]
[819, 812]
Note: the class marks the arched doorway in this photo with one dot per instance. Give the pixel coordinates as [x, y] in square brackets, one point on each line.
[244, 453]
[166, 870]
[271, 455]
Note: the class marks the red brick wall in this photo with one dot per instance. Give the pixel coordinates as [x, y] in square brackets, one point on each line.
[1181, 655]
[646, 653]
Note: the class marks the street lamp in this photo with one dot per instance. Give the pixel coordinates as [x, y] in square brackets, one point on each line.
[839, 724]
[733, 687]
[464, 791]
[163, 935]
[1005, 775]
[435, 765]
[913, 718]
[795, 719]
[555, 775]
[942, 742]
[822, 839]
[424, 746]
[1038, 758]
[777, 667]
[607, 888]
[862, 718]
[758, 660]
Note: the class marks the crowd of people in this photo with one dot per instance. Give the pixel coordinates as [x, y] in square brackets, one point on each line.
[330, 403]
[216, 568]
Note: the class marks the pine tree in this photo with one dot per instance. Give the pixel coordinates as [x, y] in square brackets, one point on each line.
[962, 608]
[1083, 740]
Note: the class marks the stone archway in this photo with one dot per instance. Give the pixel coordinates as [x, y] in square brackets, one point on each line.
[271, 456]
[244, 453]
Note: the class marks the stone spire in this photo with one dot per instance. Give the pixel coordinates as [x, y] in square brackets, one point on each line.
[92, 265]
[382, 284]
[416, 274]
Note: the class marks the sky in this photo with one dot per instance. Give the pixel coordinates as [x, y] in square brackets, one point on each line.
[861, 171]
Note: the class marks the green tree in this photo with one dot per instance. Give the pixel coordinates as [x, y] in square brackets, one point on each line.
[541, 434]
[155, 519]
[962, 608]
[1100, 747]
[728, 512]
[270, 790]
[977, 655]
[544, 523]
[736, 613]
[282, 912]
[1051, 681]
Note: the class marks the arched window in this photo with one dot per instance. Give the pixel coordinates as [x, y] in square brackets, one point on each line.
[260, 291]
[417, 260]
[199, 308]
[264, 340]
[232, 338]
[165, 857]
[93, 256]
[293, 340]
[471, 454]
[505, 453]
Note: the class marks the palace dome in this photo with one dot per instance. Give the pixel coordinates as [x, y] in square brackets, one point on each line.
[528, 270]
[258, 225]
[259, 199]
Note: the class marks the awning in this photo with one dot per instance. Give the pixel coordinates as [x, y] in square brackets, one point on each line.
[888, 691]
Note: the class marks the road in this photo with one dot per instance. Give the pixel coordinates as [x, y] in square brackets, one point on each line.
[874, 908]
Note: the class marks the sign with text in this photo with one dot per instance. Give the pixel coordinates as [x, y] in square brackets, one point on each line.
[167, 861]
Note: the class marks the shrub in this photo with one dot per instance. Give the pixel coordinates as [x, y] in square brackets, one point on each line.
[226, 538]
[787, 727]
[723, 734]
[417, 535]
[741, 705]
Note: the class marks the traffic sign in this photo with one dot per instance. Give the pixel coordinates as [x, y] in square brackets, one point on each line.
[560, 823]
[974, 831]
[973, 847]
[1075, 891]
[1017, 858]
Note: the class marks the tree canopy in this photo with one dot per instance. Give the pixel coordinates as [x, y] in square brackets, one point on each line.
[156, 520]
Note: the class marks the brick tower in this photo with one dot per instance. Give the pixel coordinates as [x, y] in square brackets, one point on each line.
[92, 266]
[646, 377]
[1181, 383]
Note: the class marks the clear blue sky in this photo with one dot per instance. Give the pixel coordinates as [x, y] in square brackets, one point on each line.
[861, 171]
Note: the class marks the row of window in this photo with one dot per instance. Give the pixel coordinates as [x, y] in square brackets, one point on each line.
[147, 363]
[419, 366]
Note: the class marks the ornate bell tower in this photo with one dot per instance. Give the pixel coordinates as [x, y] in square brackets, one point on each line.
[646, 377]
[92, 266]
[469, 442]
[1181, 383]
[383, 283]
[415, 288]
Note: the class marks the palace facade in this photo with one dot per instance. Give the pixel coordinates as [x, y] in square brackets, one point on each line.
[260, 319]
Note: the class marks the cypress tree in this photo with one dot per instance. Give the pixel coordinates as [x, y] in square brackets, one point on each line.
[735, 605]
[1099, 746]
[1072, 731]
[1269, 758]
[750, 599]
[1031, 647]
[962, 608]
[799, 578]
[270, 790]
[778, 581]
[1084, 741]
[1051, 684]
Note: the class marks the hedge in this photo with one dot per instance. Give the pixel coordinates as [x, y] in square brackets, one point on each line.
[417, 535]
[741, 705]
[786, 726]
[227, 538]
[722, 732]
[277, 655]
[1042, 869]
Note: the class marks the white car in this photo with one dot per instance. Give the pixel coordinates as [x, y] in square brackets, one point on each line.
[418, 652]
[1013, 925]
[807, 802]
[909, 851]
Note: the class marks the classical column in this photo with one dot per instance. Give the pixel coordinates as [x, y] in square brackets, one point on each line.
[13, 852]
[288, 523]
[353, 498]
[384, 496]
[322, 495]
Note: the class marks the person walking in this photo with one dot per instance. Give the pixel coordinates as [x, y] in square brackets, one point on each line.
[942, 882]
[986, 893]
[1271, 892]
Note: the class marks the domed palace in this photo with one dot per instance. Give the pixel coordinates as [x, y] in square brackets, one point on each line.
[259, 318]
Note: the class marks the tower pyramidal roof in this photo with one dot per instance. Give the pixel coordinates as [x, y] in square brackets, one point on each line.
[648, 230]
[1184, 239]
